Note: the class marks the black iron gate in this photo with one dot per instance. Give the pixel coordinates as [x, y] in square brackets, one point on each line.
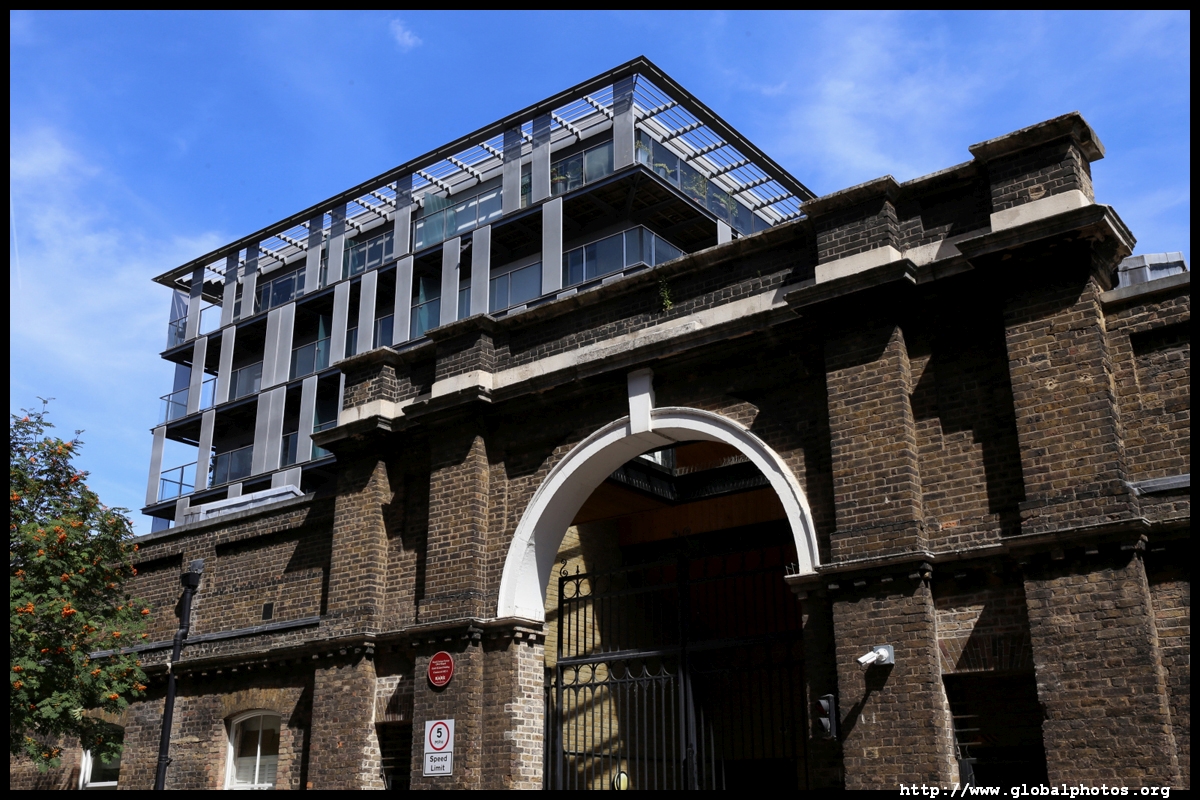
[680, 674]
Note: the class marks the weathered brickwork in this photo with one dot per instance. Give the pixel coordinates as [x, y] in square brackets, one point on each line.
[1110, 722]
[895, 719]
[874, 444]
[993, 448]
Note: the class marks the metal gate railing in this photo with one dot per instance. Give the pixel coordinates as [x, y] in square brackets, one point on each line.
[681, 674]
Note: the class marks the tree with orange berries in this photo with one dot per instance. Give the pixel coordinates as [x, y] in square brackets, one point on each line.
[69, 557]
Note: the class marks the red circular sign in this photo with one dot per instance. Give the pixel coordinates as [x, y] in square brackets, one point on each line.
[441, 669]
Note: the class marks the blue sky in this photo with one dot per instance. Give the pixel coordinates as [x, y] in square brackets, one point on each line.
[139, 141]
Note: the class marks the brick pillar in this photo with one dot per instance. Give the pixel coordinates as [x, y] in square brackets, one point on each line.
[344, 750]
[895, 720]
[1100, 674]
[514, 713]
[876, 481]
[461, 700]
[1064, 396]
[458, 517]
[359, 556]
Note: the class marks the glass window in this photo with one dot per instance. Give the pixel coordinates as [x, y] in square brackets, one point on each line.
[666, 163]
[526, 184]
[465, 216]
[573, 267]
[100, 773]
[694, 184]
[490, 206]
[526, 284]
[253, 752]
[598, 162]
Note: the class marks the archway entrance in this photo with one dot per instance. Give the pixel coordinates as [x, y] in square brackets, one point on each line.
[674, 649]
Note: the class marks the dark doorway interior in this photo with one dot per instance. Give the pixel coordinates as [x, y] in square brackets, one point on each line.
[998, 728]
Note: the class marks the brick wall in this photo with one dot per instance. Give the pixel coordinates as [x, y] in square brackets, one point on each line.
[865, 226]
[1031, 174]
[1099, 671]
[1171, 594]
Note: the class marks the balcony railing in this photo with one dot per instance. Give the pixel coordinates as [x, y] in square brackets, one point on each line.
[580, 169]
[231, 466]
[362, 256]
[317, 450]
[288, 448]
[615, 253]
[515, 287]
[245, 381]
[383, 331]
[444, 218]
[174, 406]
[176, 482]
[278, 291]
[309, 358]
[699, 189]
[176, 332]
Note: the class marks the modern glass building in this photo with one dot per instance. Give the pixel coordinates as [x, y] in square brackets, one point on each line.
[611, 177]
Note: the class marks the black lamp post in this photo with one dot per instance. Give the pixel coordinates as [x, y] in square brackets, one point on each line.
[190, 581]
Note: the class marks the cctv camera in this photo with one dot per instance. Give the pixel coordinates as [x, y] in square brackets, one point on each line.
[869, 659]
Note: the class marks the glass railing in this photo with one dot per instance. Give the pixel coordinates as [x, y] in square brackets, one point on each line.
[231, 466]
[351, 342]
[245, 381]
[278, 291]
[309, 358]
[362, 256]
[208, 393]
[443, 218]
[210, 319]
[288, 448]
[615, 253]
[424, 316]
[580, 169]
[317, 450]
[515, 287]
[174, 406]
[383, 331]
[176, 332]
[699, 189]
[177, 481]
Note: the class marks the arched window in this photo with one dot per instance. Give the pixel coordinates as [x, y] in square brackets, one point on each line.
[253, 751]
[96, 773]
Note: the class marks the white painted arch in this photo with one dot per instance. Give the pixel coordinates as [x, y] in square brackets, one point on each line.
[569, 484]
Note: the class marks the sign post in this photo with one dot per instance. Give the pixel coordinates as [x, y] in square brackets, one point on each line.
[439, 747]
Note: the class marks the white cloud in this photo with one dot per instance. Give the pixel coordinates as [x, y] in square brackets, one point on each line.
[85, 322]
[404, 37]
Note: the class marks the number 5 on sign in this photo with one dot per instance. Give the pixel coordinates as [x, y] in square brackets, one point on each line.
[439, 747]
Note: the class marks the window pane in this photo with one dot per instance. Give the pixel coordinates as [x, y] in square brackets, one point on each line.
[389, 243]
[573, 267]
[589, 262]
[633, 246]
[464, 302]
[464, 217]
[419, 234]
[610, 256]
[721, 204]
[526, 284]
[498, 293]
[598, 162]
[429, 287]
[490, 206]
[743, 222]
[375, 252]
[694, 184]
[424, 317]
[282, 290]
[666, 163]
[574, 172]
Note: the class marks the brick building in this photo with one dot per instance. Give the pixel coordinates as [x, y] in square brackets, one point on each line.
[657, 446]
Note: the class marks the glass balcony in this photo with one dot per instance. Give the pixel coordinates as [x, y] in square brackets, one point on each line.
[309, 358]
[245, 381]
[700, 190]
[570, 173]
[231, 466]
[176, 332]
[288, 448]
[362, 256]
[318, 451]
[515, 287]
[277, 291]
[383, 331]
[174, 406]
[177, 481]
[615, 253]
[444, 218]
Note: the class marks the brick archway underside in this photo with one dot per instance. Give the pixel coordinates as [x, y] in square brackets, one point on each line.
[571, 481]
